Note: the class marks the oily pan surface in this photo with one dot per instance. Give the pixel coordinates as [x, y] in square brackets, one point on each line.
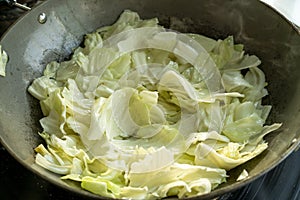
[31, 46]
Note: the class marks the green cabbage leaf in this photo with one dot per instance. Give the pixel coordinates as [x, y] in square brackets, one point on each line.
[142, 112]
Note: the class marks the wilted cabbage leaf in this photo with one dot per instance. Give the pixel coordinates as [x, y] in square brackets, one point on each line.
[3, 61]
[141, 112]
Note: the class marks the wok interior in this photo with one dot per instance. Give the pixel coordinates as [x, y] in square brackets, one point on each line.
[31, 46]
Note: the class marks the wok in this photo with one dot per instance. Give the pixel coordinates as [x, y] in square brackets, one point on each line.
[31, 45]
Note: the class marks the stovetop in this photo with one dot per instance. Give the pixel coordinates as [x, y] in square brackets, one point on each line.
[17, 182]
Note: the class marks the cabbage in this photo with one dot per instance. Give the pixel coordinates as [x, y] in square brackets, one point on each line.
[139, 102]
[3, 61]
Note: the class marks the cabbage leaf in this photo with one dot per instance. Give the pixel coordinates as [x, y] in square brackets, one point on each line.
[138, 102]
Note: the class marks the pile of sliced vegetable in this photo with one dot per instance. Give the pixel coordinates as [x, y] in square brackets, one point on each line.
[142, 112]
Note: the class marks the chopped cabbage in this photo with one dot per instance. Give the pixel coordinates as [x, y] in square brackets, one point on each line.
[243, 175]
[141, 112]
[3, 61]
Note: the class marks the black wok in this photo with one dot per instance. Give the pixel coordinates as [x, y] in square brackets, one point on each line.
[31, 45]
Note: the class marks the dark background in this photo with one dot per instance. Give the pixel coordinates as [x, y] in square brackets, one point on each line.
[17, 182]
